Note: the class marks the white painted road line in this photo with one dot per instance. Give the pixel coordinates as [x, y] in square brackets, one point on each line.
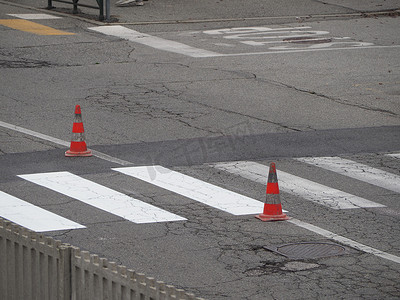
[31, 216]
[101, 197]
[298, 186]
[195, 189]
[180, 48]
[308, 50]
[34, 16]
[61, 142]
[153, 41]
[357, 171]
[345, 241]
[394, 155]
[34, 134]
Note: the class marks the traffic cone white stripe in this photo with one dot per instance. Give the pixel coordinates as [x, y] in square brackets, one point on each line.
[78, 145]
[306, 189]
[272, 207]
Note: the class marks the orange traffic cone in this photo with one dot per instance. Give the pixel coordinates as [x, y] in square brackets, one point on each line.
[272, 207]
[78, 145]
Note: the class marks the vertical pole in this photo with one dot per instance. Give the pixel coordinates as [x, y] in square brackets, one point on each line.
[75, 9]
[49, 4]
[4, 281]
[101, 7]
[108, 10]
[65, 273]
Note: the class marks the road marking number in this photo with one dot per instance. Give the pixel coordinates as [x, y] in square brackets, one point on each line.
[290, 37]
[265, 40]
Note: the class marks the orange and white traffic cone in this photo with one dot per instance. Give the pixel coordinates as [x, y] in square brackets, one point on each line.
[78, 145]
[272, 207]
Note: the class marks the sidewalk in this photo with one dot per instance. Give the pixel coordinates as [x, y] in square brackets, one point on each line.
[181, 11]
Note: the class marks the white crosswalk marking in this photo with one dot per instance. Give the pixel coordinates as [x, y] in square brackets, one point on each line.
[195, 189]
[138, 211]
[394, 155]
[357, 171]
[34, 16]
[31, 216]
[298, 186]
[153, 41]
[102, 197]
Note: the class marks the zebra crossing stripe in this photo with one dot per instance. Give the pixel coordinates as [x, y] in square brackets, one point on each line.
[394, 155]
[31, 216]
[357, 171]
[298, 186]
[34, 16]
[153, 41]
[195, 189]
[102, 197]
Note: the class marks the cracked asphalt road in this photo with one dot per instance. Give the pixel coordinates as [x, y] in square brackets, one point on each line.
[148, 106]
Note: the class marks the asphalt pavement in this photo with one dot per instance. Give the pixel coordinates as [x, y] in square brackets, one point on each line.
[185, 105]
[182, 11]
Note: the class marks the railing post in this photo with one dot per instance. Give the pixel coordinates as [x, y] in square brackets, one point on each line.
[75, 9]
[33, 266]
[65, 272]
[100, 3]
[100, 6]
[4, 280]
[108, 10]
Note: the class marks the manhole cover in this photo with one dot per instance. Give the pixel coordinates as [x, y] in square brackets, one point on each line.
[308, 250]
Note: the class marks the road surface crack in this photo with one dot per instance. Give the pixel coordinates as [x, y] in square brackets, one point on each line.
[337, 100]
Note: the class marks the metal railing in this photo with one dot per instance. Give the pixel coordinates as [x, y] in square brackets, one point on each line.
[76, 4]
[37, 267]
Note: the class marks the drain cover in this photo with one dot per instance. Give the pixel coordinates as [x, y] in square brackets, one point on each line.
[308, 250]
